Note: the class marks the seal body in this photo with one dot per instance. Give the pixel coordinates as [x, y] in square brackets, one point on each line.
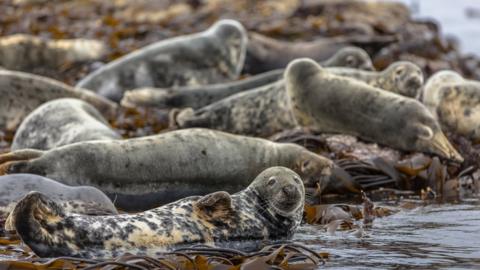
[455, 102]
[22, 93]
[142, 173]
[60, 122]
[403, 78]
[81, 199]
[330, 103]
[271, 207]
[199, 96]
[213, 56]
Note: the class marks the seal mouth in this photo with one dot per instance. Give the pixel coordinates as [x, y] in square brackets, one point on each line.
[443, 147]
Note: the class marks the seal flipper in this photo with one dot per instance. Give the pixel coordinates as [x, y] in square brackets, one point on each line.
[17, 161]
[216, 205]
[34, 217]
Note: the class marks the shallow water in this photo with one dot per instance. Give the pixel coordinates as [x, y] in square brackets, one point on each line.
[431, 237]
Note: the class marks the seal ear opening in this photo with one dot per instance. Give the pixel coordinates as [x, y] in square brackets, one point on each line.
[215, 205]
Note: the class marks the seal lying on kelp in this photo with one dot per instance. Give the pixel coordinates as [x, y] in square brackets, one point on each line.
[81, 200]
[335, 104]
[213, 56]
[21, 93]
[198, 96]
[61, 122]
[142, 173]
[270, 208]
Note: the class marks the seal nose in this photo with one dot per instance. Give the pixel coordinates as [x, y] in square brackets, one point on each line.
[289, 190]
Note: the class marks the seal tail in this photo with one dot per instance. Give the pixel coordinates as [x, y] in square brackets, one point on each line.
[34, 218]
[15, 162]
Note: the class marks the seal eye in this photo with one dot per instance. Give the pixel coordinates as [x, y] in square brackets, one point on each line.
[296, 179]
[272, 181]
[350, 61]
[399, 72]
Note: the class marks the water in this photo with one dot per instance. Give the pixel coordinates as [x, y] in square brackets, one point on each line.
[452, 16]
[431, 237]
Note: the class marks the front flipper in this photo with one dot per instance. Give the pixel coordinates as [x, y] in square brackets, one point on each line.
[38, 221]
[216, 205]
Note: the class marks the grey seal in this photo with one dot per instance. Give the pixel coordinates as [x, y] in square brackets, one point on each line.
[455, 102]
[61, 122]
[199, 96]
[145, 172]
[335, 104]
[23, 92]
[213, 56]
[270, 208]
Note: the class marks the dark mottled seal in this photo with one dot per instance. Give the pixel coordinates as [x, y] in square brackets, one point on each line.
[61, 122]
[213, 56]
[199, 96]
[403, 78]
[145, 172]
[330, 103]
[81, 200]
[21, 93]
[270, 208]
[455, 102]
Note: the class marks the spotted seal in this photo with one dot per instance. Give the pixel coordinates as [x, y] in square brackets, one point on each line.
[23, 92]
[213, 56]
[270, 208]
[455, 102]
[199, 96]
[142, 173]
[404, 78]
[335, 104]
[81, 200]
[26, 52]
[61, 122]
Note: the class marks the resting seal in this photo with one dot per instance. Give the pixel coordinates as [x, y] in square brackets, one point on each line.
[61, 122]
[21, 93]
[213, 56]
[334, 104]
[270, 208]
[199, 96]
[142, 173]
[403, 78]
[455, 102]
[81, 200]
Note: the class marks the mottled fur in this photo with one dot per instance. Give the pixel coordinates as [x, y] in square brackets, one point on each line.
[199, 96]
[330, 103]
[270, 208]
[146, 172]
[21, 93]
[213, 56]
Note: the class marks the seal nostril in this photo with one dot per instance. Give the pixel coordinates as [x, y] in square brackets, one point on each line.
[288, 189]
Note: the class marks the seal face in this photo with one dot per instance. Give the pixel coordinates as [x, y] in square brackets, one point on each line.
[61, 122]
[22, 93]
[199, 96]
[455, 102]
[81, 199]
[271, 207]
[213, 56]
[330, 103]
[142, 173]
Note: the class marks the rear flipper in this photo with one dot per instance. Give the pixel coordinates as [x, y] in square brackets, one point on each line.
[38, 221]
[17, 161]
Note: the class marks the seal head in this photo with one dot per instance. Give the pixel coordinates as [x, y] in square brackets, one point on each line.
[407, 78]
[352, 57]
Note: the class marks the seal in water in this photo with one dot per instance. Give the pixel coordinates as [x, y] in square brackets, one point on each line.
[213, 56]
[335, 104]
[142, 173]
[403, 78]
[199, 96]
[270, 208]
[26, 52]
[81, 200]
[61, 122]
[265, 54]
[23, 92]
[455, 102]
